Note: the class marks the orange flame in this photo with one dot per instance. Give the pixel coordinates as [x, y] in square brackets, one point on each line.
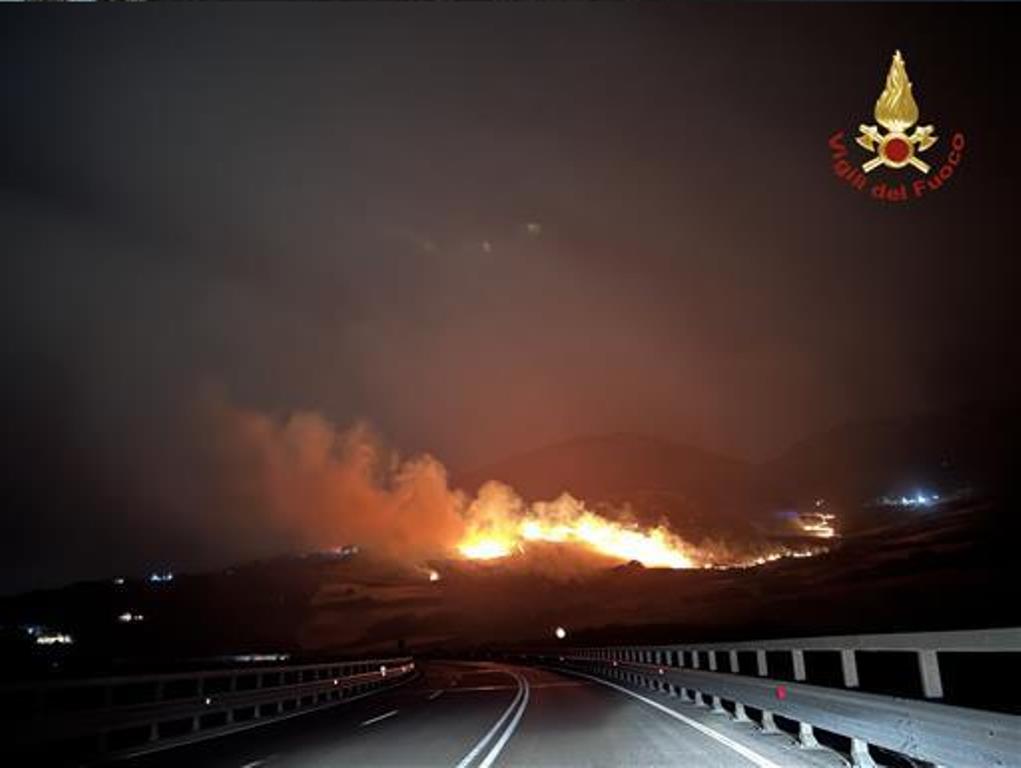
[499, 524]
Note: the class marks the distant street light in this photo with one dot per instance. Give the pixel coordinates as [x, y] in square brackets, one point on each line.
[560, 632]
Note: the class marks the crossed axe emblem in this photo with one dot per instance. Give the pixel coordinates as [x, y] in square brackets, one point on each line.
[895, 149]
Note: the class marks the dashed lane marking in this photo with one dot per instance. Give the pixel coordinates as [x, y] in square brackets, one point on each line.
[384, 716]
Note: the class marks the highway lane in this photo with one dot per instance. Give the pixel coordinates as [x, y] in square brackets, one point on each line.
[482, 715]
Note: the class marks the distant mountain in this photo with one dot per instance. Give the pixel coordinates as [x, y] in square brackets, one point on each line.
[966, 448]
[608, 465]
[705, 494]
[697, 491]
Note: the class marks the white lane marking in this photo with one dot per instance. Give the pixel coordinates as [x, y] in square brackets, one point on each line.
[477, 688]
[435, 695]
[741, 749]
[257, 763]
[487, 688]
[384, 716]
[466, 761]
[509, 731]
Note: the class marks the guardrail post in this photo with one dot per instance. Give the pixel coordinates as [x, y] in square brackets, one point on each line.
[694, 659]
[798, 657]
[768, 724]
[760, 658]
[806, 736]
[740, 716]
[928, 665]
[849, 666]
[733, 662]
[712, 661]
[718, 706]
[685, 696]
[860, 757]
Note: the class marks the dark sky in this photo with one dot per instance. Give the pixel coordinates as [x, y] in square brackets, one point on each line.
[325, 207]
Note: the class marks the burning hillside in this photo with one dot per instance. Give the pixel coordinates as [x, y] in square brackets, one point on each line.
[315, 484]
[498, 523]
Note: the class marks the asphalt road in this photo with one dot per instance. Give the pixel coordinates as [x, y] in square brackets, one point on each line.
[482, 715]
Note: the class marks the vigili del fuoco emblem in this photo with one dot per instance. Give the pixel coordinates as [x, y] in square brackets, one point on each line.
[891, 143]
[896, 111]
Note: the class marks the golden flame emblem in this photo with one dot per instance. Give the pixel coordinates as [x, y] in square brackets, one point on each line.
[896, 110]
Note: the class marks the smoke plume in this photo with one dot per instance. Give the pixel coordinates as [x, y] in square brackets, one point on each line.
[316, 486]
[312, 486]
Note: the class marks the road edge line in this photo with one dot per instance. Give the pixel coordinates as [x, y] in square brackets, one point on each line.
[741, 749]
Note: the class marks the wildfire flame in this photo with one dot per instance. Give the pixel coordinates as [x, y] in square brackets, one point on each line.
[822, 525]
[896, 109]
[499, 524]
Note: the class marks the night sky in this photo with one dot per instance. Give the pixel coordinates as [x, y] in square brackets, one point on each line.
[479, 228]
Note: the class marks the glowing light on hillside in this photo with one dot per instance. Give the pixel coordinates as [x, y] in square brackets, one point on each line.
[822, 525]
[55, 638]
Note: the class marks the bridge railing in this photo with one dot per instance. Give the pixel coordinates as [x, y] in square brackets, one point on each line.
[100, 718]
[730, 677]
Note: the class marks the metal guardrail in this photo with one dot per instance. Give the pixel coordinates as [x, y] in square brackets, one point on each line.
[926, 730]
[111, 717]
